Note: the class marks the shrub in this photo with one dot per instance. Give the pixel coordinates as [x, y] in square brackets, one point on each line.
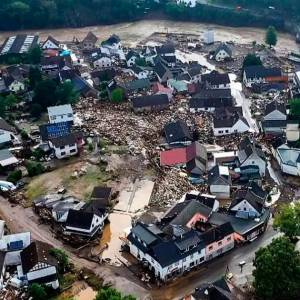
[38, 292]
[14, 176]
[34, 168]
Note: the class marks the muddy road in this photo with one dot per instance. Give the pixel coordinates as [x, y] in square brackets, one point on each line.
[134, 32]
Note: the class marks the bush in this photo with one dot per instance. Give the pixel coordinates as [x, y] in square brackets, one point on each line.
[38, 153]
[36, 110]
[14, 176]
[38, 292]
[62, 258]
[117, 95]
[34, 168]
[24, 135]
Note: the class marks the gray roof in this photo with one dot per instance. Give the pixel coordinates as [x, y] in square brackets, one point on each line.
[177, 131]
[18, 44]
[215, 176]
[228, 117]
[253, 72]
[248, 147]
[5, 126]
[274, 105]
[152, 100]
[224, 47]
[5, 154]
[141, 231]
[60, 109]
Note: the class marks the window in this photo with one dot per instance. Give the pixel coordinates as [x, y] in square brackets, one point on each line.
[227, 131]
[220, 131]
[229, 238]
[210, 247]
[220, 243]
[63, 153]
[62, 147]
[72, 150]
[184, 260]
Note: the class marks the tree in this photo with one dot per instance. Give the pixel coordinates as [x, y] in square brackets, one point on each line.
[38, 292]
[62, 258]
[112, 294]
[140, 62]
[35, 76]
[271, 36]
[14, 176]
[288, 220]
[44, 93]
[35, 55]
[36, 110]
[34, 168]
[251, 60]
[117, 95]
[65, 93]
[295, 107]
[277, 271]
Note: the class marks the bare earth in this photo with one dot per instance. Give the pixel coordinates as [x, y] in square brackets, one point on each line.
[133, 33]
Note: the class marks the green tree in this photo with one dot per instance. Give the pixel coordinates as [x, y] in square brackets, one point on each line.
[271, 36]
[277, 271]
[62, 258]
[251, 60]
[112, 294]
[295, 107]
[36, 110]
[14, 176]
[44, 93]
[65, 93]
[34, 168]
[38, 292]
[35, 76]
[288, 220]
[117, 95]
[35, 55]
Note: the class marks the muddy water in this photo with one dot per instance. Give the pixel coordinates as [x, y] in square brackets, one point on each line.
[86, 294]
[134, 32]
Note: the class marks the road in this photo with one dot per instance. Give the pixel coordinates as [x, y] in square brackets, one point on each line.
[19, 219]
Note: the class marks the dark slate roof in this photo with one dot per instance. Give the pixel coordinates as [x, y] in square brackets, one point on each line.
[248, 147]
[177, 131]
[113, 39]
[257, 190]
[53, 40]
[131, 53]
[214, 177]
[184, 76]
[169, 59]
[136, 69]
[53, 60]
[224, 47]
[15, 46]
[195, 70]
[153, 100]
[214, 94]
[160, 69]
[79, 219]
[217, 233]
[101, 192]
[5, 126]
[90, 37]
[69, 139]
[215, 78]
[53, 130]
[96, 207]
[166, 48]
[228, 116]
[138, 84]
[261, 72]
[142, 232]
[274, 105]
[36, 252]
[274, 124]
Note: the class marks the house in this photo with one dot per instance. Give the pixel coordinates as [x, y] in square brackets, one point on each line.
[206, 199]
[261, 75]
[249, 201]
[7, 158]
[139, 72]
[89, 42]
[229, 120]
[137, 85]
[53, 130]
[19, 44]
[195, 73]
[50, 43]
[148, 103]
[101, 61]
[189, 3]
[218, 290]
[6, 132]
[162, 72]
[223, 52]
[216, 80]
[219, 181]
[274, 120]
[180, 86]
[250, 153]
[113, 44]
[14, 85]
[84, 223]
[131, 57]
[38, 265]
[210, 99]
[167, 49]
[51, 65]
[60, 113]
[209, 37]
[288, 159]
[218, 240]
[102, 195]
[67, 145]
[177, 133]
[166, 258]
[168, 60]
[159, 89]
[149, 54]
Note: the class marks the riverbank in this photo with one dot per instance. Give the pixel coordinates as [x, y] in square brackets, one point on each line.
[132, 33]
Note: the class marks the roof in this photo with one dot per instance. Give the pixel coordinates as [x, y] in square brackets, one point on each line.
[53, 130]
[138, 84]
[5, 126]
[274, 105]
[141, 231]
[51, 39]
[215, 78]
[178, 155]
[60, 109]
[90, 37]
[131, 53]
[177, 131]
[269, 124]
[153, 100]
[248, 147]
[101, 192]
[104, 75]
[219, 175]
[113, 39]
[217, 233]
[69, 139]
[53, 60]
[224, 47]
[160, 69]
[18, 44]
[178, 85]
[97, 207]
[36, 252]
[7, 158]
[166, 48]
[79, 219]
[228, 116]
[213, 94]
[195, 70]
[159, 88]
[261, 72]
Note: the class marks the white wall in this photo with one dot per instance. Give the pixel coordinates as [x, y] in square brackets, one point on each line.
[64, 117]
[96, 222]
[255, 160]
[238, 127]
[244, 206]
[220, 191]
[49, 45]
[275, 115]
[68, 150]
[103, 62]
[221, 55]
[43, 273]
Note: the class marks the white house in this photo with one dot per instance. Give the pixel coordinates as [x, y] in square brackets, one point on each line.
[113, 44]
[102, 61]
[209, 37]
[38, 265]
[138, 72]
[223, 52]
[216, 80]
[84, 223]
[15, 85]
[131, 57]
[6, 132]
[229, 121]
[166, 259]
[189, 3]
[219, 181]
[289, 159]
[274, 120]
[250, 154]
[50, 43]
[60, 113]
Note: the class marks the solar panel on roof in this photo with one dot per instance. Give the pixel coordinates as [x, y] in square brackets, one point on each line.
[58, 129]
[16, 245]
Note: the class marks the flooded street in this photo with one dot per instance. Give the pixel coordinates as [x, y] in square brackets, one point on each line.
[134, 32]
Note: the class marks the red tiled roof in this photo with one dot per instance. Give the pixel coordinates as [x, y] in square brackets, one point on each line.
[178, 155]
[157, 87]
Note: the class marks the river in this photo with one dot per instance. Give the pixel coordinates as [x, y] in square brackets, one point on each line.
[134, 32]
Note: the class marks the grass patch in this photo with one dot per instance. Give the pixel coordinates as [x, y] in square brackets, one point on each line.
[95, 282]
[33, 191]
[67, 280]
